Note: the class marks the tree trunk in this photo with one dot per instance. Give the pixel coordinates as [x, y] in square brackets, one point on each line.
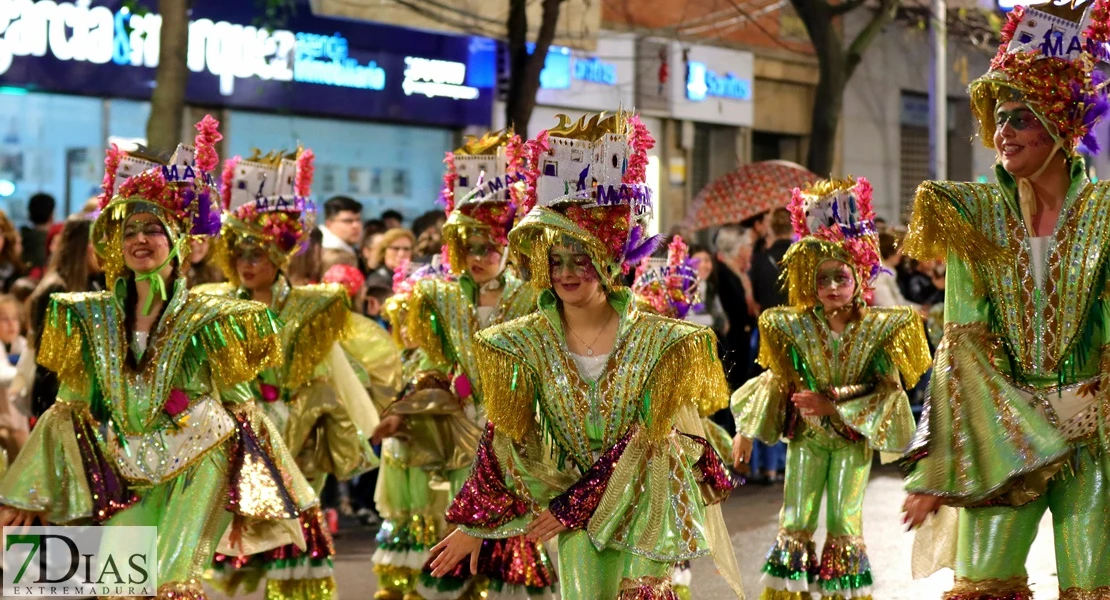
[827, 107]
[167, 103]
[525, 68]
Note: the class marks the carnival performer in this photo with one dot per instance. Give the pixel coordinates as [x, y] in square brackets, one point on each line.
[436, 437]
[835, 388]
[482, 189]
[314, 395]
[584, 395]
[669, 287]
[1016, 424]
[154, 423]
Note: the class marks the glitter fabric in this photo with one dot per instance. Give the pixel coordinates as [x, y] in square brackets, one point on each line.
[575, 506]
[1014, 588]
[647, 588]
[844, 566]
[301, 589]
[793, 557]
[717, 482]
[1081, 594]
[182, 590]
[257, 487]
[770, 594]
[110, 493]
[395, 582]
[484, 500]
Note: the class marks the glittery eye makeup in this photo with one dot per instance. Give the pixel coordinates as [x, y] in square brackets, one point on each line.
[1020, 119]
[834, 278]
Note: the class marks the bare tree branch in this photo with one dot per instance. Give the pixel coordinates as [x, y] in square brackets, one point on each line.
[882, 17]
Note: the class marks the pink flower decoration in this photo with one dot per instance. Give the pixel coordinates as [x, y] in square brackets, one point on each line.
[270, 393]
[176, 403]
[534, 150]
[447, 193]
[641, 141]
[111, 165]
[305, 171]
[462, 387]
[226, 178]
[677, 251]
[208, 135]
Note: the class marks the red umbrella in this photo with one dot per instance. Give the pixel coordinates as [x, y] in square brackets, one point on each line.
[746, 192]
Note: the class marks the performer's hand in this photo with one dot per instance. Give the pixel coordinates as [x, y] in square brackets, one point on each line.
[14, 517]
[235, 536]
[812, 404]
[919, 506]
[455, 547]
[741, 451]
[387, 427]
[545, 527]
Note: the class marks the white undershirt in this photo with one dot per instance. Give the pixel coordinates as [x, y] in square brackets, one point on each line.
[590, 367]
[485, 315]
[1039, 248]
[141, 339]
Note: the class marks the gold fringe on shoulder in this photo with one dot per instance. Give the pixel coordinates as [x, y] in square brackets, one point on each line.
[939, 225]
[688, 371]
[314, 338]
[224, 289]
[508, 388]
[774, 348]
[423, 325]
[240, 343]
[909, 350]
[63, 348]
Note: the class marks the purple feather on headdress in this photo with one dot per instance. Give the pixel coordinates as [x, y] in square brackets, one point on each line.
[206, 221]
[637, 248]
[1095, 106]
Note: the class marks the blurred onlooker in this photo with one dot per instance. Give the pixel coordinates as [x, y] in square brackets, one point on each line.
[308, 266]
[760, 228]
[710, 313]
[11, 263]
[428, 230]
[734, 287]
[73, 268]
[369, 250]
[917, 281]
[342, 231]
[392, 219]
[887, 292]
[201, 270]
[375, 298]
[373, 226]
[396, 245]
[428, 244]
[40, 210]
[14, 425]
[767, 264]
[881, 225]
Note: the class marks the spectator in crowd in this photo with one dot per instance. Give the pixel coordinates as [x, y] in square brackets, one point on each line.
[917, 281]
[376, 295]
[40, 209]
[760, 231]
[73, 268]
[392, 219]
[881, 225]
[369, 250]
[428, 229]
[11, 262]
[308, 266]
[396, 245]
[734, 286]
[765, 265]
[201, 269]
[342, 232]
[372, 226]
[14, 425]
[887, 293]
[710, 314]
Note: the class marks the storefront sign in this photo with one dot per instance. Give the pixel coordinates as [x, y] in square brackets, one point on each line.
[702, 83]
[696, 83]
[596, 81]
[76, 47]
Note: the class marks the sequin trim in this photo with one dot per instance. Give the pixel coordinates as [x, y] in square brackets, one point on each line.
[574, 507]
[484, 501]
[301, 589]
[647, 588]
[717, 482]
[182, 590]
[844, 565]
[794, 557]
[1014, 588]
[257, 487]
[1100, 593]
[110, 492]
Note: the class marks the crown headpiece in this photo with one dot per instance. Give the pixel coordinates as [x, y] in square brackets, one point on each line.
[835, 221]
[587, 179]
[1048, 59]
[668, 286]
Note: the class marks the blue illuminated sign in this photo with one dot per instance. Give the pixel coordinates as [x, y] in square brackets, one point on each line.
[595, 70]
[561, 68]
[370, 70]
[702, 83]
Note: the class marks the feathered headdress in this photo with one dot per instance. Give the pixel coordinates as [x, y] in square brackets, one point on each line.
[587, 180]
[669, 286]
[1048, 60]
[835, 221]
[181, 192]
[481, 191]
[267, 203]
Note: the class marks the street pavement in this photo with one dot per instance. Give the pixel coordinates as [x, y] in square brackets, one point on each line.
[752, 517]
